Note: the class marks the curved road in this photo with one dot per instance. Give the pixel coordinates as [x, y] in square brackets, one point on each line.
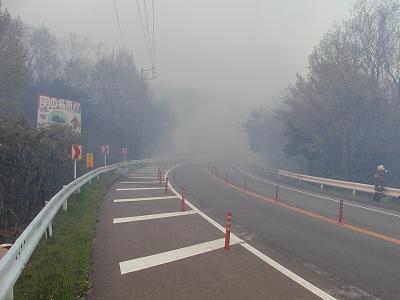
[358, 263]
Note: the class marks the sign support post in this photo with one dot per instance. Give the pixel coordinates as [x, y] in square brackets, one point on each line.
[106, 150]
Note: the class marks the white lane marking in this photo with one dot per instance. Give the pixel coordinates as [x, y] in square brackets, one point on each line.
[145, 170]
[140, 189]
[145, 177]
[296, 278]
[304, 283]
[319, 196]
[169, 256]
[144, 199]
[152, 217]
[138, 182]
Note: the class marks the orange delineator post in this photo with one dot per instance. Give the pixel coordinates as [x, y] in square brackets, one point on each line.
[228, 230]
[277, 193]
[183, 192]
[341, 204]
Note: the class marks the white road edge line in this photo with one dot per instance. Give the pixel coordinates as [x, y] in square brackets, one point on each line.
[144, 199]
[169, 256]
[152, 217]
[318, 196]
[140, 189]
[301, 281]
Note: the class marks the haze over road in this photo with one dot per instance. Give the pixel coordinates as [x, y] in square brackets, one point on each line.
[353, 264]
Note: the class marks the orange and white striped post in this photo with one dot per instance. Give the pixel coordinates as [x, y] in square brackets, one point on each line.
[183, 194]
[228, 230]
[166, 185]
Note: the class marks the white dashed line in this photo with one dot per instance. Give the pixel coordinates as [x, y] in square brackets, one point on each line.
[144, 199]
[169, 256]
[138, 182]
[152, 217]
[140, 189]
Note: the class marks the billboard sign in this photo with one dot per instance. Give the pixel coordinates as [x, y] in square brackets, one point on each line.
[52, 111]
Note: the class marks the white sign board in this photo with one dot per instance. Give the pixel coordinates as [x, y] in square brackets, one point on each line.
[52, 110]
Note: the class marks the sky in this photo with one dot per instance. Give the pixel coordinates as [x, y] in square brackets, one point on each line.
[216, 60]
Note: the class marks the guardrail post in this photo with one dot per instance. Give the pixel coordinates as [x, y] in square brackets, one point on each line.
[183, 193]
[49, 231]
[354, 193]
[65, 205]
[228, 230]
[276, 193]
[244, 183]
[161, 175]
[341, 211]
[10, 295]
[322, 187]
[227, 177]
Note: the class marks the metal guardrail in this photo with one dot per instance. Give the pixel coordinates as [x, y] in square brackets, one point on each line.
[14, 261]
[354, 186]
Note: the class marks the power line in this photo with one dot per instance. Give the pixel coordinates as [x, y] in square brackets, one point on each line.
[119, 25]
[144, 34]
[148, 31]
[154, 45]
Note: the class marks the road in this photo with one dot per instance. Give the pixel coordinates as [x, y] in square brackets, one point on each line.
[147, 248]
[355, 262]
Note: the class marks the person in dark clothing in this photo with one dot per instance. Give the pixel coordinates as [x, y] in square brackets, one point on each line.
[379, 178]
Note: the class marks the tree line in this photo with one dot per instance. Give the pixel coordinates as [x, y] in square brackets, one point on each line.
[118, 109]
[342, 118]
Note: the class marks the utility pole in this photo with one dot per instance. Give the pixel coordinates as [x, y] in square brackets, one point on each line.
[142, 111]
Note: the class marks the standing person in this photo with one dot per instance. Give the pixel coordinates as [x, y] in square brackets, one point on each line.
[379, 178]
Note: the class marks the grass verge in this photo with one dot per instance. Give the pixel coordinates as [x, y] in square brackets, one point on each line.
[59, 268]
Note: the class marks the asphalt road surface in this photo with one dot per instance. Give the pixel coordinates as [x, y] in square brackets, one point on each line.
[360, 261]
[147, 248]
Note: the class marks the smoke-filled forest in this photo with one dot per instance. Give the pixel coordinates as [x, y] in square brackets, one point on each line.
[340, 119]
[118, 109]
